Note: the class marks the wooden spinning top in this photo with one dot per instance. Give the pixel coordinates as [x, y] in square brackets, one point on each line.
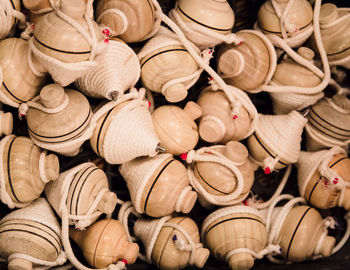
[6, 123]
[218, 179]
[124, 130]
[20, 78]
[298, 19]
[301, 234]
[170, 247]
[208, 16]
[290, 73]
[57, 38]
[217, 124]
[118, 71]
[131, 20]
[235, 228]
[328, 123]
[323, 178]
[31, 231]
[87, 183]
[248, 65]
[276, 140]
[104, 243]
[335, 34]
[67, 109]
[26, 169]
[148, 179]
[176, 128]
[167, 67]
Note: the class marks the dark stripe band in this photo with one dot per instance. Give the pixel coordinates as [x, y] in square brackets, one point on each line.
[295, 231]
[202, 24]
[154, 182]
[9, 171]
[58, 50]
[263, 146]
[100, 131]
[172, 50]
[196, 167]
[8, 90]
[60, 136]
[235, 218]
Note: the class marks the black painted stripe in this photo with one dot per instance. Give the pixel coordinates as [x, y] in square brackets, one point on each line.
[33, 233]
[235, 218]
[75, 187]
[295, 231]
[313, 188]
[100, 131]
[8, 90]
[342, 51]
[102, 235]
[263, 146]
[151, 7]
[273, 32]
[154, 182]
[172, 50]
[313, 111]
[208, 183]
[312, 123]
[58, 50]
[13, 5]
[56, 237]
[63, 135]
[81, 188]
[331, 166]
[202, 24]
[170, 236]
[9, 171]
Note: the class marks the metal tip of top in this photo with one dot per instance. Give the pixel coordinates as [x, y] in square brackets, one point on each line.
[160, 149]
[306, 112]
[114, 95]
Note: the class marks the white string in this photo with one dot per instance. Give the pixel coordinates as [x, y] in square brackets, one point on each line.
[60, 260]
[34, 103]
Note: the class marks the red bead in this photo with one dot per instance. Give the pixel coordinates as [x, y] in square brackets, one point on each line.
[149, 104]
[335, 181]
[267, 170]
[183, 156]
[245, 202]
[125, 261]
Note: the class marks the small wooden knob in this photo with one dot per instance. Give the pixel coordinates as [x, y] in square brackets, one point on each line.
[231, 62]
[236, 152]
[328, 13]
[210, 129]
[241, 261]
[130, 251]
[51, 167]
[306, 53]
[73, 8]
[201, 256]
[193, 110]
[6, 124]
[188, 202]
[327, 246]
[107, 203]
[52, 95]
[20, 264]
[175, 92]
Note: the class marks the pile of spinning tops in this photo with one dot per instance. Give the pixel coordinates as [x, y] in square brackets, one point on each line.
[189, 116]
